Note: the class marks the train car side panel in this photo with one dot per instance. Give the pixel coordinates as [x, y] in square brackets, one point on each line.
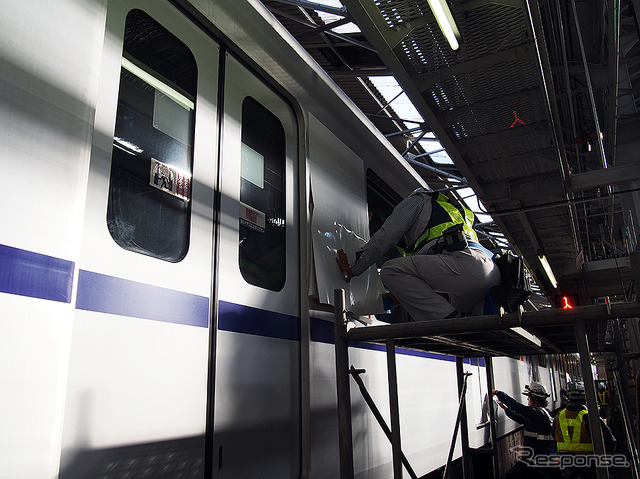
[138, 366]
[257, 376]
[48, 84]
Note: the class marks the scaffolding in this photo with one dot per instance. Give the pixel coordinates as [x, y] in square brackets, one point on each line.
[578, 330]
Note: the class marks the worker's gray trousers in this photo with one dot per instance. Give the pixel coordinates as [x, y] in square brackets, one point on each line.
[420, 281]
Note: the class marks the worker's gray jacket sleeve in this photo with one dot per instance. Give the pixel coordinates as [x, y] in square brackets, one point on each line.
[390, 234]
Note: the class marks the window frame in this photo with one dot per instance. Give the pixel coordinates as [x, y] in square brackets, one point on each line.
[268, 219]
[138, 179]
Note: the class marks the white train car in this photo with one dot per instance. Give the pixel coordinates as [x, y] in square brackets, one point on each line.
[177, 178]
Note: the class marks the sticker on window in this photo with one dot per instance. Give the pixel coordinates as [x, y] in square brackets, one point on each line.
[252, 166]
[170, 179]
[252, 218]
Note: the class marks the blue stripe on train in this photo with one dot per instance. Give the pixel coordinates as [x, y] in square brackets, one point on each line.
[39, 276]
[244, 319]
[107, 294]
[35, 275]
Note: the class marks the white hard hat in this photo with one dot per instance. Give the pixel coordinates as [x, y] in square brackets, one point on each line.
[536, 390]
[576, 390]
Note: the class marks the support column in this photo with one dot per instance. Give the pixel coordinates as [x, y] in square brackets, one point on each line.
[591, 395]
[621, 375]
[492, 417]
[621, 365]
[345, 432]
[628, 428]
[637, 432]
[464, 428]
[394, 409]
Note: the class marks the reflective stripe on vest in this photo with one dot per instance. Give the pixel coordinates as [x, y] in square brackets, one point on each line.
[602, 397]
[572, 444]
[539, 437]
[435, 231]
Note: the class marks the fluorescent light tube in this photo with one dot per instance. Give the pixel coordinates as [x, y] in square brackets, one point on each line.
[547, 269]
[445, 21]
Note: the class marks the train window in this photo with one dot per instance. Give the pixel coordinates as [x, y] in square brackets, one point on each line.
[149, 206]
[381, 200]
[262, 197]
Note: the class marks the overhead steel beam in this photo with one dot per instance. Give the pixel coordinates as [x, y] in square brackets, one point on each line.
[438, 171]
[531, 94]
[324, 36]
[587, 75]
[471, 4]
[566, 75]
[404, 132]
[322, 28]
[628, 118]
[359, 72]
[424, 81]
[540, 154]
[545, 186]
[554, 204]
[385, 117]
[609, 176]
[340, 11]
[613, 33]
[348, 39]
[636, 12]
[537, 30]
[375, 28]
[415, 141]
[310, 24]
[539, 128]
[539, 186]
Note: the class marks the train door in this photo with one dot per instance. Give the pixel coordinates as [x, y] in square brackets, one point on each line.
[257, 373]
[136, 401]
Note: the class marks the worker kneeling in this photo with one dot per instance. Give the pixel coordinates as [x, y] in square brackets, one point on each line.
[444, 272]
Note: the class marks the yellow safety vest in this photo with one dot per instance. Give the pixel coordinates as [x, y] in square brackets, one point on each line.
[572, 444]
[443, 210]
[603, 398]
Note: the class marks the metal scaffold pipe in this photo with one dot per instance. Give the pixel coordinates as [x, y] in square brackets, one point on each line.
[548, 317]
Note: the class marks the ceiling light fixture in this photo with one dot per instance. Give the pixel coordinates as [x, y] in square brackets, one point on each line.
[547, 269]
[446, 23]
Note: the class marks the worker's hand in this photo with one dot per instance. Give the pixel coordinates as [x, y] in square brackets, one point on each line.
[494, 392]
[343, 262]
[501, 404]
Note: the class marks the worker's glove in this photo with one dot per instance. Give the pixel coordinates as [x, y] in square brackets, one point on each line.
[343, 262]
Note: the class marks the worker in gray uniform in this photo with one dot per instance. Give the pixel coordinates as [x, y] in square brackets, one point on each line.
[444, 272]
